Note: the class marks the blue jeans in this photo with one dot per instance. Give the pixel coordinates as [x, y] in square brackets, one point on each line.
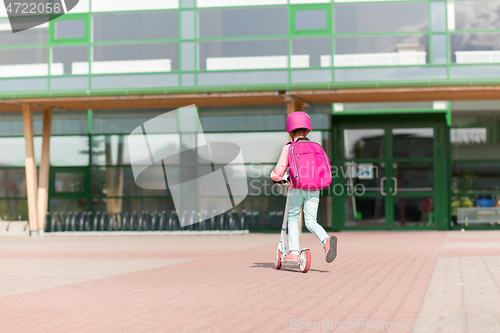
[310, 200]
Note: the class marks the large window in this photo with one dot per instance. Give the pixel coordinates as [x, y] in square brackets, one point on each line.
[312, 52]
[312, 19]
[69, 151]
[354, 51]
[35, 35]
[474, 15]
[359, 41]
[11, 210]
[130, 5]
[239, 22]
[135, 26]
[243, 54]
[381, 17]
[67, 59]
[472, 48]
[119, 182]
[69, 29]
[475, 146]
[13, 183]
[243, 119]
[23, 62]
[114, 149]
[132, 58]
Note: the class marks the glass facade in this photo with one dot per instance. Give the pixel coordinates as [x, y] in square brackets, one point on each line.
[91, 168]
[191, 45]
[125, 47]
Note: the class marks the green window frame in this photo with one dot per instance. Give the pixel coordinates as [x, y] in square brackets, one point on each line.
[310, 32]
[85, 193]
[68, 17]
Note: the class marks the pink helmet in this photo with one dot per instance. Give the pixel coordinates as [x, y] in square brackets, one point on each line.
[297, 120]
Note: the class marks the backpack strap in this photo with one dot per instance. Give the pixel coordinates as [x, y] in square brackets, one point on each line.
[299, 139]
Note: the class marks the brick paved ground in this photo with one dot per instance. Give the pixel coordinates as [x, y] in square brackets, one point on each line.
[228, 284]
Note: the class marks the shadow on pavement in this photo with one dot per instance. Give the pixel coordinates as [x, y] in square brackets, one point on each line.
[288, 268]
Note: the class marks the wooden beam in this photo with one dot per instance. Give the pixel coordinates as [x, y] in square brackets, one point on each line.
[402, 94]
[158, 101]
[250, 98]
[318, 96]
[30, 167]
[43, 188]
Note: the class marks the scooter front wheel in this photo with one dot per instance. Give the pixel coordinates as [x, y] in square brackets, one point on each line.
[278, 259]
[305, 260]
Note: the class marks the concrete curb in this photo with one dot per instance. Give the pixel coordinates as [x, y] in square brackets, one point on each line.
[14, 228]
[145, 233]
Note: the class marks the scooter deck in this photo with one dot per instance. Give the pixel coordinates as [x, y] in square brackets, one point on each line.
[288, 261]
[297, 262]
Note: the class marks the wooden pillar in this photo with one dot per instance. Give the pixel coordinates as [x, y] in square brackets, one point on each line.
[114, 176]
[119, 177]
[30, 167]
[43, 189]
[109, 175]
[290, 105]
[293, 105]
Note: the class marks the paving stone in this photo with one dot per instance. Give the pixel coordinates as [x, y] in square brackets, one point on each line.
[472, 245]
[228, 283]
[463, 295]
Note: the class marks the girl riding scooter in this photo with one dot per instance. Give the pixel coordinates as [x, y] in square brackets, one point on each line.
[298, 125]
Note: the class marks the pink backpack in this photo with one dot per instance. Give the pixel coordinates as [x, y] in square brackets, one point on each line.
[308, 165]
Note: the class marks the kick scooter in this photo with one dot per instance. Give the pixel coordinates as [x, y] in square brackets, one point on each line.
[304, 261]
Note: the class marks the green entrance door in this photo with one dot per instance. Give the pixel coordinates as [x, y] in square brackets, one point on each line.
[390, 172]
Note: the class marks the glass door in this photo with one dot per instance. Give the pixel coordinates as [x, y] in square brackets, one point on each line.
[411, 185]
[393, 172]
[364, 171]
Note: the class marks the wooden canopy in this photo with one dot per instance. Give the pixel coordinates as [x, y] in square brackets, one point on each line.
[325, 96]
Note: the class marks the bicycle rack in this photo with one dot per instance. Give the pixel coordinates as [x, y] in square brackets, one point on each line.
[100, 221]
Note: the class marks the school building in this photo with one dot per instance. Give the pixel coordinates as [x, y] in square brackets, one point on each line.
[403, 95]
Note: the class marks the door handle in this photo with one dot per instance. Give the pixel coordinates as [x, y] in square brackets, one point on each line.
[395, 180]
[382, 183]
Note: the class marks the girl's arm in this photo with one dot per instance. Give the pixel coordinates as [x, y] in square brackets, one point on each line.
[278, 172]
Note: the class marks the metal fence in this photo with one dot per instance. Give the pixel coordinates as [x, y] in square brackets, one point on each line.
[478, 215]
[146, 221]
[478, 57]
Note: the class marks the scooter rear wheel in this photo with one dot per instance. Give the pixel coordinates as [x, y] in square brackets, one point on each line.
[305, 260]
[278, 259]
